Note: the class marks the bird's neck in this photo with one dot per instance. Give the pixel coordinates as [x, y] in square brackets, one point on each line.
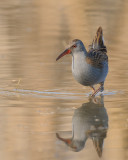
[78, 58]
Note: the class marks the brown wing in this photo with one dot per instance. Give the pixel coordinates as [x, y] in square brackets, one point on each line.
[97, 57]
[98, 41]
[97, 53]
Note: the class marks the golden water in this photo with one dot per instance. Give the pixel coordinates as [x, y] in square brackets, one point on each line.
[39, 95]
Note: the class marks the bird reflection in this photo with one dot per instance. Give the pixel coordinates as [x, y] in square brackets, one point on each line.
[89, 121]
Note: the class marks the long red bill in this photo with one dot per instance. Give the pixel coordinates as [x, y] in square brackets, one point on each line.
[67, 141]
[67, 51]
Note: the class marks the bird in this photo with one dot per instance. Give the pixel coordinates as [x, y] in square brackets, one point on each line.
[89, 68]
[90, 121]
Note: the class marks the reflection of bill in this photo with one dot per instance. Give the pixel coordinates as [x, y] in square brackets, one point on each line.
[89, 121]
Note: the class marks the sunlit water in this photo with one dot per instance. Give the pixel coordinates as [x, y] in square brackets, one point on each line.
[39, 96]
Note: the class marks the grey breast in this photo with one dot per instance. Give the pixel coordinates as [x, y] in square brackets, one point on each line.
[85, 73]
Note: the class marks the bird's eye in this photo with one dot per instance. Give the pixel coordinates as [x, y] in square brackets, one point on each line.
[74, 46]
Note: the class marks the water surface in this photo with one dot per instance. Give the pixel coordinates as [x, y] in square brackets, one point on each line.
[39, 96]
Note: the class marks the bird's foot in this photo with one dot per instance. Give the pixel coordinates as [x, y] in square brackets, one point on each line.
[100, 89]
[94, 93]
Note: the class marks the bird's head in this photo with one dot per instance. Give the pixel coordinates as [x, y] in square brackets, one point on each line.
[74, 145]
[75, 46]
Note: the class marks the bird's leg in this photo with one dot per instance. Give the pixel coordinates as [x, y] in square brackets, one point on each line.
[100, 89]
[101, 86]
[92, 91]
[93, 88]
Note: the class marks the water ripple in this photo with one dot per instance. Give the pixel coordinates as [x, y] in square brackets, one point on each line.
[51, 93]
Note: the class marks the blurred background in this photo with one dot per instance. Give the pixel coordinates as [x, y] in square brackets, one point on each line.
[39, 95]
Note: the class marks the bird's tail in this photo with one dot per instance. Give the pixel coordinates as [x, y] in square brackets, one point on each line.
[98, 41]
[98, 143]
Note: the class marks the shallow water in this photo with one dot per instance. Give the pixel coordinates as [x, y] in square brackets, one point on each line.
[39, 96]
